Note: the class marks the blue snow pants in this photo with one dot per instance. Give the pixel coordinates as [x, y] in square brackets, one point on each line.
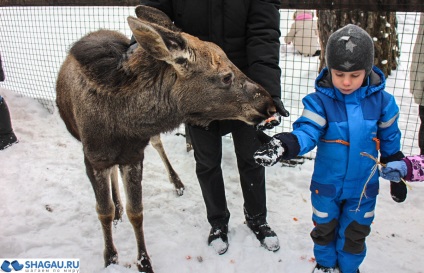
[340, 229]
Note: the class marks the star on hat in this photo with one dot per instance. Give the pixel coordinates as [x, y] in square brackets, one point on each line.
[350, 45]
[347, 65]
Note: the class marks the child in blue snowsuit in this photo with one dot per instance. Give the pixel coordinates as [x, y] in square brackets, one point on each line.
[348, 114]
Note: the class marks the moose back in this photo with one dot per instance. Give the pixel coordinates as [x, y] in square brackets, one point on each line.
[114, 98]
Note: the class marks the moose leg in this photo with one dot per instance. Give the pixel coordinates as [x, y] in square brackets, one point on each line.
[132, 176]
[172, 175]
[105, 208]
[116, 197]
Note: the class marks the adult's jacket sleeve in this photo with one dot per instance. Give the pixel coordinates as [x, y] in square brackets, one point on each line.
[2, 77]
[263, 45]
[417, 65]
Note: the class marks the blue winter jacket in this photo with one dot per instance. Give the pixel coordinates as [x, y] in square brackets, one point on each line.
[343, 126]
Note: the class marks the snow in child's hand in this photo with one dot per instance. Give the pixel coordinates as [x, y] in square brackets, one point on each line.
[269, 153]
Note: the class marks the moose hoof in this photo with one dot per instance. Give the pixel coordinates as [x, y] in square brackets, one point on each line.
[180, 191]
[110, 258]
[144, 265]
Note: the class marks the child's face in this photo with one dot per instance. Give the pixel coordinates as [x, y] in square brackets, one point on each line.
[347, 82]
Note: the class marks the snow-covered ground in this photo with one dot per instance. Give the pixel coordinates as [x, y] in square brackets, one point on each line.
[47, 208]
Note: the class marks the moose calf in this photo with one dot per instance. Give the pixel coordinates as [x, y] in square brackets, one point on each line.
[114, 98]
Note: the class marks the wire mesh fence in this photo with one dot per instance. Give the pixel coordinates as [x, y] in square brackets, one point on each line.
[35, 40]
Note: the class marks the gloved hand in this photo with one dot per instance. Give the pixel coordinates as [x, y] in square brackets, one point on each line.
[394, 171]
[275, 120]
[398, 191]
[280, 107]
[269, 153]
[269, 123]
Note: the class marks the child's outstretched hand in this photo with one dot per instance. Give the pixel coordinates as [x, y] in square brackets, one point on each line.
[394, 171]
[269, 153]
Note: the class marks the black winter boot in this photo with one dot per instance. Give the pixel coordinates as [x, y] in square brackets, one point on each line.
[218, 238]
[7, 136]
[264, 234]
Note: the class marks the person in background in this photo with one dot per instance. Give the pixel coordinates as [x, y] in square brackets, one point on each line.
[7, 136]
[417, 79]
[350, 113]
[304, 33]
[411, 168]
[248, 32]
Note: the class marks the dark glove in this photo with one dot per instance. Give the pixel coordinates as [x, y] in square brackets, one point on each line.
[270, 122]
[394, 171]
[280, 107]
[398, 191]
[269, 153]
[275, 120]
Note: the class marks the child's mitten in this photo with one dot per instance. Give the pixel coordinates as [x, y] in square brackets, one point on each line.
[394, 171]
[281, 146]
[269, 153]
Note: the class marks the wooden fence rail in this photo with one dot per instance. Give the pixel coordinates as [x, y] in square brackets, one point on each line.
[368, 5]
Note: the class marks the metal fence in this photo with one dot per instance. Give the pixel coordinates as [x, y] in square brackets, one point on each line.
[34, 41]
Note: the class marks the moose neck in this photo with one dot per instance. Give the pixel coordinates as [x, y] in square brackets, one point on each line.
[151, 93]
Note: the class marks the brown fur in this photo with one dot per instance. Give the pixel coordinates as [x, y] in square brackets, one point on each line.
[114, 101]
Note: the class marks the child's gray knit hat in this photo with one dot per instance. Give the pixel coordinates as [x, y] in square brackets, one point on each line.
[350, 49]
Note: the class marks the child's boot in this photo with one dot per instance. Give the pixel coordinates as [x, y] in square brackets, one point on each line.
[324, 269]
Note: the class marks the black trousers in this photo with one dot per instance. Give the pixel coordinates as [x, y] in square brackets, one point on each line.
[207, 146]
[421, 132]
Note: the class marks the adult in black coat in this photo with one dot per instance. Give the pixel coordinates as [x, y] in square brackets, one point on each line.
[248, 31]
[7, 136]
[2, 77]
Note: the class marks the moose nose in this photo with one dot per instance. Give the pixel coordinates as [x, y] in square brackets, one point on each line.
[272, 110]
[262, 100]
[266, 107]
[269, 107]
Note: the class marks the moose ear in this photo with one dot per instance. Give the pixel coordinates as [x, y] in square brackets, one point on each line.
[155, 16]
[159, 42]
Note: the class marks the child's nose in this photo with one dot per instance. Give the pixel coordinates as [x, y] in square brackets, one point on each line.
[346, 81]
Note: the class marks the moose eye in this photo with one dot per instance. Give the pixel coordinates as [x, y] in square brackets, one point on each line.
[227, 79]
